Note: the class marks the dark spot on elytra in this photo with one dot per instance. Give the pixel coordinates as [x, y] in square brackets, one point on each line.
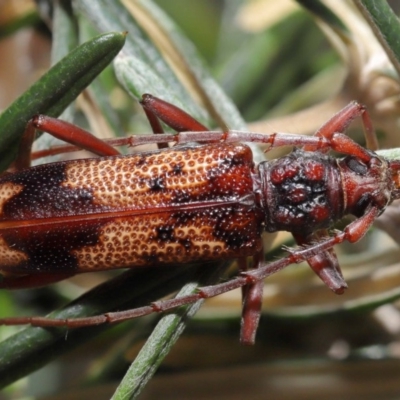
[177, 169]
[235, 240]
[165, 233]
[232, 161]
[223, 166]
[186, 243]
[142, 160]
[225, 229]
[66, 200]
[156, 184]
[50, 248]
[45, 195]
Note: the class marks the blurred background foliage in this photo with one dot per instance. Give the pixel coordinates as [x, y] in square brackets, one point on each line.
[280, 66]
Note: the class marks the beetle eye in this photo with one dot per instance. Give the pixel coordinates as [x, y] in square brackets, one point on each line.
[363, 202]
[356, 165]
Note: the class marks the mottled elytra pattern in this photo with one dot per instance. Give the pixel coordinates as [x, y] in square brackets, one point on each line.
[175, 206]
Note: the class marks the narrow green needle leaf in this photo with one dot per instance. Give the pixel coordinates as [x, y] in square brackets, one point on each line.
[385, 25]
[164, 336]
[320, 10]
[56, 89]
[34, 347]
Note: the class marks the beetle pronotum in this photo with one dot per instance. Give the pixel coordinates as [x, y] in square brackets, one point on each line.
[189, 203]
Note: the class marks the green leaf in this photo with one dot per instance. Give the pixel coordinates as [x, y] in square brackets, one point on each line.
[142, 68]
[385, 24]
[320, 10]
[28, 19]
[34, 347]
[56, 89]
[163, 338]
[151, 72]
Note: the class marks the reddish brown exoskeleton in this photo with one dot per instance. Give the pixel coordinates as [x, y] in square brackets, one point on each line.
[190, 203]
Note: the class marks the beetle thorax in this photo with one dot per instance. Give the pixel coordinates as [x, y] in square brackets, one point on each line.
[301, 192]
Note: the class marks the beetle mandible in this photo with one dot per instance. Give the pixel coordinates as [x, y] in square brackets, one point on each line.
[201, 200]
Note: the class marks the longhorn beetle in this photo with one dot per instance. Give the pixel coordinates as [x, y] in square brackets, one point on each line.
[191, 202]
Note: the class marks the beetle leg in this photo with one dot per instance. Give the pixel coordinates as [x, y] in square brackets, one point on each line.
[251, 303]
[155, 126]
[340, 122]
[157, 109]
[62, 130]
[173, 116]
[352, 233]
[61, 149]
[343, 144]
[74, 135]
[324, 264]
